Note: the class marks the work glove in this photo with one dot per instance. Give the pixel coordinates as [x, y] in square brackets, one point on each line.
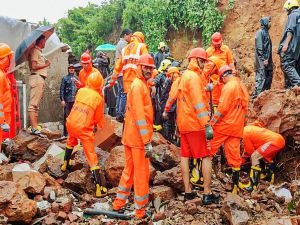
[148, 150]
[5, 127]
[209, 133]
[209, 87]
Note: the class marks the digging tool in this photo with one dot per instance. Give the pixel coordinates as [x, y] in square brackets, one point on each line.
[108, 213]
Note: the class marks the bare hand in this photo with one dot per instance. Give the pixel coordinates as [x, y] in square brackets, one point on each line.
[47, 62]
[165, 115]
[63, 103]
[266, 63]
[284, 48]
[153, 91]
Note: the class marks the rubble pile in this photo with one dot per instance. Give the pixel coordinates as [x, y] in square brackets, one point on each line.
[33, 189]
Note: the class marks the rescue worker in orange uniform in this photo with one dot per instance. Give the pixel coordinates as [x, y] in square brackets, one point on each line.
[87, 112]
[6, 58]
[137, 136]
[211, 76]
[229, 120]
[220, 50]
[193, 124]
[87, 69]
[260, 143]
[127, 63]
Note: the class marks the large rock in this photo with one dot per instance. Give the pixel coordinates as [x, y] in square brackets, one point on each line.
[163, 192]
[29, 180]
[19, 145]
[52, 165]
[115, 165]
[234, 210]
[110, 136]
[6, 172]
[14, 203]
[51, 134]
[80, 160]
[165, 156]
[81, 181]
[38, 148]
[279, 110]
[171, 178]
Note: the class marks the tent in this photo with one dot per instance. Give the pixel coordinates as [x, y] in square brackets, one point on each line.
[106, 47]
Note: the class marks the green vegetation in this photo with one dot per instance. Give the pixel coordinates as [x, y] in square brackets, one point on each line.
[154, 18]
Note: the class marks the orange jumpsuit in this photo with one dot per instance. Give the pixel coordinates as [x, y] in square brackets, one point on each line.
[192, 112]
[266, 142]
[5, 101]
[138, 131]
[88, 111]
[229, 119]
[126, 64]
[83, 75]
[224, 53]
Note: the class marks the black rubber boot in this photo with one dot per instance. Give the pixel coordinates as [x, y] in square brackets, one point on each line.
[235, 180]
[189, 196]
[101, 191]
[67, 159]
[270, 175]
[254, 179]
[210, 199]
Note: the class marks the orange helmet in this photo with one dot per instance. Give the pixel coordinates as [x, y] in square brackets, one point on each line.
[198, 53]
[217, 62]
[139, 35]
[172, 70]
[146, 60]
[224, 71]
[5, 50]
[85, 58]
[216, 38]
[95, 81]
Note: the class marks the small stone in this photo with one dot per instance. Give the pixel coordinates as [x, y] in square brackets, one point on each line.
[38, 198]
[50, 220]
[72, 217]
[192, 208]
[197, 201]
[61, 215]
[159, 216]
[55, 207]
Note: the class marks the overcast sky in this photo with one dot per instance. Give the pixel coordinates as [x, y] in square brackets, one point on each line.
[36, 10]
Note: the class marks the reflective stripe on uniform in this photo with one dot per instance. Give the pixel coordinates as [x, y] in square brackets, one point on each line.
[141, 122]
[140, 206]
[218, 114]
[199, 106]
[121, 196]
[123, 189]
[1, 106]
[1, 114]
[214, 120]
[142, 198]
[129, 65]
[201, 115]
[143, 131]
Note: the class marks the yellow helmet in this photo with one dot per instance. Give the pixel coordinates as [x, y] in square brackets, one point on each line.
[290, 4]
[161, 45]
[164, 65]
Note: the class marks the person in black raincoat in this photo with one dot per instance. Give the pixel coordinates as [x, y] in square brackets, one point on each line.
[67, 94]
[263, 58]
[102, 63]
[289, 47]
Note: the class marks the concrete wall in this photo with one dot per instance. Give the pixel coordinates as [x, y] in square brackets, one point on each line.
[50, 108]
